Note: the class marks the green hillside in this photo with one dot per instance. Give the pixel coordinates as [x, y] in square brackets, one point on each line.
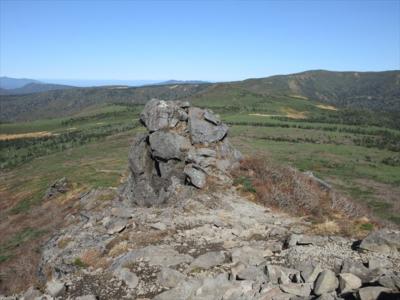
[375, 91]
[368, 90]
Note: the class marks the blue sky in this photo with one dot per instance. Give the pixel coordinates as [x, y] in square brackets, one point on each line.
[216, 40]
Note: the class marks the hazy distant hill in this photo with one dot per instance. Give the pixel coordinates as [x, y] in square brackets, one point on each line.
[14, 83]
[35, 88]
[377, 91]
[66, 102]
[168, 82]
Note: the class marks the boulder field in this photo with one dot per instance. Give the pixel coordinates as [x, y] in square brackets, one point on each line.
[178, 230]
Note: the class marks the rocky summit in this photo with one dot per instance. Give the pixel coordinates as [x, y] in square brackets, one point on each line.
[183, 145]
[179, 230]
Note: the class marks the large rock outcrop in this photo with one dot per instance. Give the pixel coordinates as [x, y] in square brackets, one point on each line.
[183, 146]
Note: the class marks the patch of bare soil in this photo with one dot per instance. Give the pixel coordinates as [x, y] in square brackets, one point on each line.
[327, 107]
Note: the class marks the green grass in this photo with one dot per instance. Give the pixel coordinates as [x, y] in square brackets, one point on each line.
[367, 226]
[246, 184]
[26, 235]
[79, 263]
[97, 164]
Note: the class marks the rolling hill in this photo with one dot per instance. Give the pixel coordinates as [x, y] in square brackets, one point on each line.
[375, 91]
[14, 83]
[35, 87]
[369, 90]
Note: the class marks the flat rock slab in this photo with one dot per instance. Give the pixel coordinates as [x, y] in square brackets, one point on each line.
[382, 241]
[208, 260]
[298, 289]
[163, 255]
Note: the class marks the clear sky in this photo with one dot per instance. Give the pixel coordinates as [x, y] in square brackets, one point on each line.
[215, 40]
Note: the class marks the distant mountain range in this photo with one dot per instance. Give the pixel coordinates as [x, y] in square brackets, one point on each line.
[170, 82]
[15, 83]
[16, 86]
[376, 91]
[33, 87]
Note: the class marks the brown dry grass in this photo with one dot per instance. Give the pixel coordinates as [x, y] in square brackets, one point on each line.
[37, 134]
[91, 257]
[23, 263]
[327, 107]
[283, 187]
[287, 189]
[118, 249]
[294, 114]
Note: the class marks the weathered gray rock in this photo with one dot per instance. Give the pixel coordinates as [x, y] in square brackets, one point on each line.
[162, 255]
[382, 241]
[326, 282]
[55, 288]
[208, 260]
[125, 275]
[248, 255]
[169, 277]
[213, 287]
[298, 289]
[309, 270]
[327, 297]
[195, 175]
[373, 293]
[300, 239]
[168, 145]
[348, 282]
[390, 281]
[278, 274]
[203, 131]
[183, 290]
[139, 187]
[159, 226]
[31, 294]
[140, 161]
[60, 186]
[86, 297]
[166, 152]
[379, 263]
[117, 227]
[159, 114]
[121, 212]
[252, 273]
[203, 158]
[356, 268]
[209, 116]
[242, 290]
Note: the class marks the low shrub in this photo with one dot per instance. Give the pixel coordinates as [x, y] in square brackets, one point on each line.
[296, 193]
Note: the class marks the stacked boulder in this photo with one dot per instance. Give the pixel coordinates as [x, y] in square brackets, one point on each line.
[183, 145]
